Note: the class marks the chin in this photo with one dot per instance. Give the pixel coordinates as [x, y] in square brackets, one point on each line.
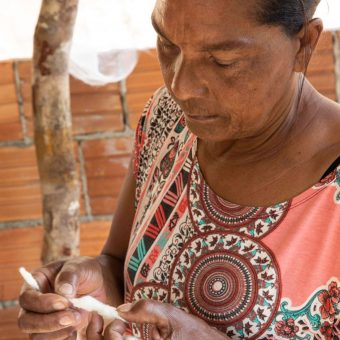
[209, 133]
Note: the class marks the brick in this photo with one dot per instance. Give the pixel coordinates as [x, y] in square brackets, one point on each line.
[9, 326]
[28, 175]
[10, 131]
[104, 186]
[10, 126]
[325, 41]
[8, 94]
[13, 157]
[106, 163]
[6, 72]
[94, 109]
[9, 113]
[95, 102]
[322, 62]
[323, 81]
[103, 205]
[142, 83]
[22, 247]
[108, 167]
[107, 147]
[20, 196]
[97, 122]
[78, 87]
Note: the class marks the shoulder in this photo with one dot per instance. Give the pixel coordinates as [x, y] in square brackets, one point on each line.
[326, 133]
[330, 123]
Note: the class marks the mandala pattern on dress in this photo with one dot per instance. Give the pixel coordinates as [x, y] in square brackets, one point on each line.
[210, 212]
[229, 280]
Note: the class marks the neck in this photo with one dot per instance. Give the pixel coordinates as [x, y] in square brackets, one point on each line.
[286, 121]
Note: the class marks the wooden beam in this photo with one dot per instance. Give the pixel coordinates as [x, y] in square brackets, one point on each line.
[53, 128]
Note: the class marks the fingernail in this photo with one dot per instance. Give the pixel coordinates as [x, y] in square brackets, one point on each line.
[66, 289]
[59, 306]
[124, 308]
[66, 321]
[69, 320]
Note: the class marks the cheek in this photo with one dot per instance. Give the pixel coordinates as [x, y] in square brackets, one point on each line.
[257, 89]
[166, 65]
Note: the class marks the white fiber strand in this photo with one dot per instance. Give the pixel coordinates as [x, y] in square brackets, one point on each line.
[29, 279]
[91, 304]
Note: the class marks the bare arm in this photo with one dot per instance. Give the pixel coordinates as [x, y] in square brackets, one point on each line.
[115, 248]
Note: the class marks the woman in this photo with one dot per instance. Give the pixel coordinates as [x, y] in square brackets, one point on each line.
[232, 198]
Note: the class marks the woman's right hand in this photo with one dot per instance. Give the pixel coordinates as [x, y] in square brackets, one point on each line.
[48, 314]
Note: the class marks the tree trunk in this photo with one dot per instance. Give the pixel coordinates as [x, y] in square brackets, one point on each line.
[53, 129]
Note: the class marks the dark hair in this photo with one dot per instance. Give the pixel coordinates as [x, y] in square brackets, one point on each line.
[291, 15]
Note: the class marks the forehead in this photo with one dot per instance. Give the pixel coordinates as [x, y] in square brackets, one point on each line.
[205, 17]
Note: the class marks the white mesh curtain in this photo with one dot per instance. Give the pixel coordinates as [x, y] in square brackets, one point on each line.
[108, 34]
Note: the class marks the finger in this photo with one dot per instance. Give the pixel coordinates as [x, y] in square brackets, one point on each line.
[95, 328]
[146, 311]
[46, 275]
[45, 323]
[115, 330]
[155, 335]
[67, 333]
[34, 301]
[73, 274]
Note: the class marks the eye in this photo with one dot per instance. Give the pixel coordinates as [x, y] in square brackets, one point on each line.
[225, 64]
[166, 45]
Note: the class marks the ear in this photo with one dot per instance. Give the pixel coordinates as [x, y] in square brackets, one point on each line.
[308, 38]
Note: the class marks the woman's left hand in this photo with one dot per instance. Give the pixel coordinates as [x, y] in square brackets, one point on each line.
[167, 323]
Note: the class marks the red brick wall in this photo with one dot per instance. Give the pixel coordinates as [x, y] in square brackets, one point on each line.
[103, 140]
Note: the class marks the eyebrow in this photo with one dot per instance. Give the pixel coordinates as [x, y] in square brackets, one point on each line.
[227, 45]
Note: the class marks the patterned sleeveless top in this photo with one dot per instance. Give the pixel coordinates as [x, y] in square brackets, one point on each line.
[251, 272]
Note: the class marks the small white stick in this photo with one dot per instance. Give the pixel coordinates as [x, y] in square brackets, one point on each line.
[29, 279]
[90, 304]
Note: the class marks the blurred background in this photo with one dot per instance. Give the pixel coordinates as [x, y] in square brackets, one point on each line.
[107, 100]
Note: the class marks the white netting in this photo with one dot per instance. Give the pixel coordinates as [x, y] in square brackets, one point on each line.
[107, 36]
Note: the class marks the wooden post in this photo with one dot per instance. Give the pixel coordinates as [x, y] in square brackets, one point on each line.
[53, 129]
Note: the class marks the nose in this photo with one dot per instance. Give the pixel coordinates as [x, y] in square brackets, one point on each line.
[187, 82]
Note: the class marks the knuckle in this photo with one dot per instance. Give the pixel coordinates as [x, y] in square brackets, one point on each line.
[145, 305]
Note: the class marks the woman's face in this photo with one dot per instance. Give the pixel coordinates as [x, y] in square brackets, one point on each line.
[231, 76]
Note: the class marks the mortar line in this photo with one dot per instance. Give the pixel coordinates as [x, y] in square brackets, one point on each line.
[17, 143]
[34, 223]
[127, 132]
[83, 179]
[20, 102]
[96, 218]
[20, 224]
[124, 104]
[5, 304]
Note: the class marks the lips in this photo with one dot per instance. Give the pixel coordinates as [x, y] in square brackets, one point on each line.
[201, 117]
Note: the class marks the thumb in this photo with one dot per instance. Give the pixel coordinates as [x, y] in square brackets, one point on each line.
[146, 311]
[67, 280]
[79, 276]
